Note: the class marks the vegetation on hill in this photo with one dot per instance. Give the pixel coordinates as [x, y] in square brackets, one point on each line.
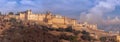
[28, 31]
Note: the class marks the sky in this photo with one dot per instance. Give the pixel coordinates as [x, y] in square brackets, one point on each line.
[71, 8]
[93, 11]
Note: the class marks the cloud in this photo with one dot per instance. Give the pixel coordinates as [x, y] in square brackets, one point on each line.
[95, 14]
[69, 8]
[21, 5]
[27, 2]
[115, 20]
[8, 6]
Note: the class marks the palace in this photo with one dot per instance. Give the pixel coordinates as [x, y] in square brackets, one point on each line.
[49, 18]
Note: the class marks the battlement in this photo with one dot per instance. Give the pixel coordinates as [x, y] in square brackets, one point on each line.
[53, 20]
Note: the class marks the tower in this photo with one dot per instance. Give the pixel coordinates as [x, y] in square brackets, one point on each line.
[48, 13]
[73, 22]
[85, 23]
[29, 12]
[48, 17]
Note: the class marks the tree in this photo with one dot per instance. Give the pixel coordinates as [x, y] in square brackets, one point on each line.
[73, 38]
[85, 32]
[69, 29]
[0, 13]
[105, 39]
[86, 36]
[102, 39]
[60, 29]
[76, 32]
[10, 13]
[13, 20]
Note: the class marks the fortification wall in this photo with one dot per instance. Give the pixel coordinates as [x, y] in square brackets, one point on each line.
[51, 19]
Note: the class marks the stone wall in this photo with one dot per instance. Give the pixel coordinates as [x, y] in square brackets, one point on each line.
[49, 18]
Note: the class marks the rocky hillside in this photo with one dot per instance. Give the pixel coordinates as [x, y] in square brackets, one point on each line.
[18, 31]
[12, 30]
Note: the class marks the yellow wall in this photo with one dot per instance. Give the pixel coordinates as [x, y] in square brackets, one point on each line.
[33, 17]
[51, 19]
[22, 16]
[41, 17]
[118, 38]
[36, 17]
[57, 20]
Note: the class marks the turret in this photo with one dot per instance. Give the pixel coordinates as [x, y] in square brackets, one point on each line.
[29, 12]
[73, 22]
[48, 13]
[48, 17]
[85, 23]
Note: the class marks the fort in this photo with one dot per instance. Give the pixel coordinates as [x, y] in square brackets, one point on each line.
[53, 20]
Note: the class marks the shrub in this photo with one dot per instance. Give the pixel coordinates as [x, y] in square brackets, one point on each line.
[73, 38]
[60, 29]
[69, 29]
[76, 32]
[86, 37]
[13, 20]
[86, 33]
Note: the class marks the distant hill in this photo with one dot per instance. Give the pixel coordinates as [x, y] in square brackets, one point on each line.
[110, 27]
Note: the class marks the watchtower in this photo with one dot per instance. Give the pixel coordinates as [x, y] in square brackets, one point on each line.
[29, 11]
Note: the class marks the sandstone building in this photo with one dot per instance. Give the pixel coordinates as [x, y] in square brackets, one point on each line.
[48, 18]
[53, 20]
[113, 38]
[86, 25]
